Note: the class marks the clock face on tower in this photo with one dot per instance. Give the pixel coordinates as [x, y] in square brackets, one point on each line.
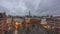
[1, 15]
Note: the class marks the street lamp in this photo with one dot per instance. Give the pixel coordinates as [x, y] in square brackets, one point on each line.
[16, 25]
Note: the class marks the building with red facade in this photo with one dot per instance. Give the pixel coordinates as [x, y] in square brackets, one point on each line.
[2, 23]
[55, 23]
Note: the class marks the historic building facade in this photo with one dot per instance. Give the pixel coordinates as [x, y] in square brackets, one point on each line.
[2, 23]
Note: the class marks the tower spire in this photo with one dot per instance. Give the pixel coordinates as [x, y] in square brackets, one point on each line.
[29, 14]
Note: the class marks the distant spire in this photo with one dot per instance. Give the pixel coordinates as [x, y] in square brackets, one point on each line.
[29, 14]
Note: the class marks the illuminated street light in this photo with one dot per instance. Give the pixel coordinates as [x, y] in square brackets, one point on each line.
[16, 24]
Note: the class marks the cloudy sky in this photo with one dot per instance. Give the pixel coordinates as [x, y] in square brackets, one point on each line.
[36, 7]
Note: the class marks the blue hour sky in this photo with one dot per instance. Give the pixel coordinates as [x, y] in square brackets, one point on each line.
[36, 7]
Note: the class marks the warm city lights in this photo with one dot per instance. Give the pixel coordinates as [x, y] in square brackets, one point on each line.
[20, 25]
[9, 25]
[16, 24]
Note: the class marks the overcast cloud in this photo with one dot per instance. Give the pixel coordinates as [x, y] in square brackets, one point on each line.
[37, 7]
